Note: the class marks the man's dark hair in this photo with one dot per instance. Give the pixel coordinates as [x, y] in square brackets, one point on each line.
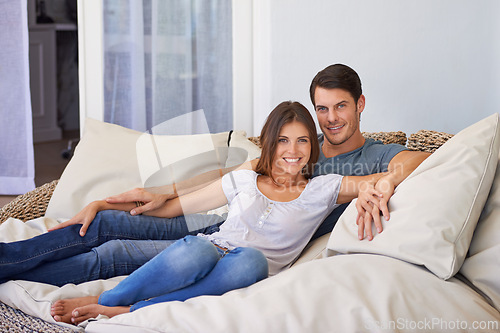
[337, 76]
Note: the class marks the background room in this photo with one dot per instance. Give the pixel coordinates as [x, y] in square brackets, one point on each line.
[424, 64]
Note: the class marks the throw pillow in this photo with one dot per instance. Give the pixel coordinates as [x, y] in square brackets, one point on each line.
[435, 210]
[482, 265]
[111, 159]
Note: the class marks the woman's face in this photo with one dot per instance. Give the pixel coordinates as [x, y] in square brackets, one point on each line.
[293, 149]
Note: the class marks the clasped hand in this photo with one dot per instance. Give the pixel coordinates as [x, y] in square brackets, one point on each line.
[371, 204]
[124, 201]
[151, 200]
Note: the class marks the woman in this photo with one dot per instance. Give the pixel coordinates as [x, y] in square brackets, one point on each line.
[273, 213]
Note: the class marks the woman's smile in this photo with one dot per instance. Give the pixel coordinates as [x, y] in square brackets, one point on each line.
[292, 160]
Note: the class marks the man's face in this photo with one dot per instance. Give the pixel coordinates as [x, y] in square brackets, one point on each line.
[338, 114]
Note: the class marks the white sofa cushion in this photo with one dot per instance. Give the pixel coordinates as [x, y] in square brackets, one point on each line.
[482, 265]
[435, 210]
[326, 295]
[111, 159]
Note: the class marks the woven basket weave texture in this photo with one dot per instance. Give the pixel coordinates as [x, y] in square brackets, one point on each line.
[428, 141]
[30, 205]
[13, 320]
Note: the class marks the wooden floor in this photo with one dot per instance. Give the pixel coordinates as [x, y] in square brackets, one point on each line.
[49, 163]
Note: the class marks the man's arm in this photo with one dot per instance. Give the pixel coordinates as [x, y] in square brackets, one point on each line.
[400, 167]
[370, 208]
[352, 186]
[404, 163]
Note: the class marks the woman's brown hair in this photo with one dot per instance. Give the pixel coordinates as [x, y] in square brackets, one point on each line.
[284, 113]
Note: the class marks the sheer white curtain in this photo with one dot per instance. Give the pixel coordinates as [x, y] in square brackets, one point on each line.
[17, 169]
[166, 58]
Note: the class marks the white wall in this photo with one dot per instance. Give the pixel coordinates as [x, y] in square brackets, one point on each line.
[430, 64]
[424, 64]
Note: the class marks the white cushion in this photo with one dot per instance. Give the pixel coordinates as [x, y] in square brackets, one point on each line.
[345, 293]
[111, 159]
[240, 147]
[326, 295]
[482, 265]
[435, 210]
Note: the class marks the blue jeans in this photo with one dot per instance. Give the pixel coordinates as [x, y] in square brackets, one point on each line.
[63, 256]
[190, 267]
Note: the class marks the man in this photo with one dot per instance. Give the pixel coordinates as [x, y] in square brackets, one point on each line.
[117, 243]
[338, 101]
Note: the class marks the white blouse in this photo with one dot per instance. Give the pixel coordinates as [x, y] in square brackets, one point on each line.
[280, 230]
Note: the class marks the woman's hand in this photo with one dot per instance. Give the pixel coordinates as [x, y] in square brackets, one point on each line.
[367, 206]
[84, 217]
[152, 201]
[372, 202]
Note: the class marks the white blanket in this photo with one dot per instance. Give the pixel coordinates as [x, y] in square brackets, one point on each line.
[343, 293]
[36, 298]
[14, 229]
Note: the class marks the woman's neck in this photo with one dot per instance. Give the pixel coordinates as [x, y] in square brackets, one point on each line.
[287, 180]
[282, 188]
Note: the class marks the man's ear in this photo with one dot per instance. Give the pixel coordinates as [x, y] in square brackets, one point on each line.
[361, 103]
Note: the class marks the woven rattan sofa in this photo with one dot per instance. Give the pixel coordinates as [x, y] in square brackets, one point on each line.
[358, 291]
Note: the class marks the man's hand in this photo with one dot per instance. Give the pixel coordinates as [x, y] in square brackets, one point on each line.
[373, 202]
[84, 217]
[152, 201]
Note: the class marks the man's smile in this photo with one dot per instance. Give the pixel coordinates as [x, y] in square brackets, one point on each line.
[335, 128]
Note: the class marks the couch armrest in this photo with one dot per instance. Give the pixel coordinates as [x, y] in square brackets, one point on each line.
[30, 205]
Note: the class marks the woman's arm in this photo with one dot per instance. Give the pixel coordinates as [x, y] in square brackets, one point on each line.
[155, 198]
[209, 197]
[373, 193]
[351, 186]
[88, 213]
[202, 200]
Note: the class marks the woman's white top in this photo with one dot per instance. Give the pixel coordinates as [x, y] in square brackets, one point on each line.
[280, 230]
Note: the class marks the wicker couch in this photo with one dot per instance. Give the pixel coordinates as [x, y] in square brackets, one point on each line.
[33, 205]
[365, 291]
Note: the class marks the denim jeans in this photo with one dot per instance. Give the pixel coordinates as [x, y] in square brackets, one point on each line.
[190, 267]
[63, 256]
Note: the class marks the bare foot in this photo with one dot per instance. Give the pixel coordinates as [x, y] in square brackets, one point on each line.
[62, 309]
[93, 310]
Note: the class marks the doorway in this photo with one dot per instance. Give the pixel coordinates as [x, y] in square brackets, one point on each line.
[53, 58]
